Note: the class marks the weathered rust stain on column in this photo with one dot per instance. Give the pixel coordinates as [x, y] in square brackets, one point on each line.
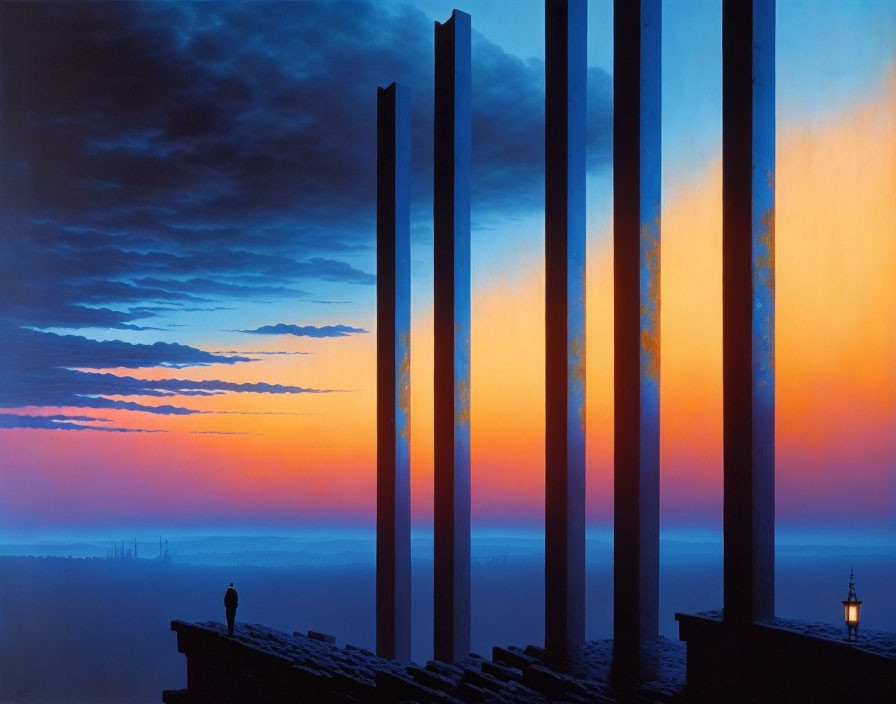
[748, 281]
[393, 304]
[637, 182]
[451, 239]
[565, 102]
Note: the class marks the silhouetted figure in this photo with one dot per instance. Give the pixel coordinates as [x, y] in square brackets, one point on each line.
[231, 601]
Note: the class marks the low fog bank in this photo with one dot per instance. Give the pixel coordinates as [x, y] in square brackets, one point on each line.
[97, 630]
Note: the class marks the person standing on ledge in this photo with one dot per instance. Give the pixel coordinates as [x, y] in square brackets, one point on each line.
[231, 601]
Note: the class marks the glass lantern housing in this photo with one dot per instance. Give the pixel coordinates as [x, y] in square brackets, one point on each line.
[852, 608]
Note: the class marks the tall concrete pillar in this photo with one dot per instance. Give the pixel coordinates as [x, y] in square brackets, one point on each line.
[393, 375]
[748, 299]
[565, 79]
[637, 181]
[451, 241]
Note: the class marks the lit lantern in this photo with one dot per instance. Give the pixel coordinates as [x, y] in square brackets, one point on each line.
[851, 609]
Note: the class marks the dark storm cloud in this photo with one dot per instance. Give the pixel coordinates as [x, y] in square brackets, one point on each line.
[32, 350]
[304, 330]
[160, 158]
[62, 422]
[213, 122]
[263, 352]
[130, 386]
[69, 388]
[50, 277]
[40, 370]
[217, 288]
[181, 152]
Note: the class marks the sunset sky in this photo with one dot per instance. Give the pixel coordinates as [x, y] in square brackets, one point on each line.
[187, 264]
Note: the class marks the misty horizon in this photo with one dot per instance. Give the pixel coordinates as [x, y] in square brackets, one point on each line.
[112, 629]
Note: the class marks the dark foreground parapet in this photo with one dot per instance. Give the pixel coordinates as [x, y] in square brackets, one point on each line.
[784, 660]
[259, 665]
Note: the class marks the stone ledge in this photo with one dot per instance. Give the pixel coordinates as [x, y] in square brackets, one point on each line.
[784, 660]
[259, 664]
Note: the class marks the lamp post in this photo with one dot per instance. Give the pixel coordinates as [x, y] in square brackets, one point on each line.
[851, 609]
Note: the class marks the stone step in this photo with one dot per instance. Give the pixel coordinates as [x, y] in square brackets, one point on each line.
[512, 658]
[431, 679]
[323, 637]
[502, 672]
[554, 685]
[534, 651]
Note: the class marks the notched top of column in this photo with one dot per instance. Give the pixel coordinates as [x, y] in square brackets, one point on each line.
[458, 17]
[393, 86]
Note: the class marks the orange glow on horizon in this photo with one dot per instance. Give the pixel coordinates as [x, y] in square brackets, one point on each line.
[313, 455]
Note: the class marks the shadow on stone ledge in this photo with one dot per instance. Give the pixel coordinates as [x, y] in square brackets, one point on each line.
[260, 665]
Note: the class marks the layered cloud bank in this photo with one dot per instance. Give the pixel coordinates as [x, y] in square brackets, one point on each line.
[187, 241]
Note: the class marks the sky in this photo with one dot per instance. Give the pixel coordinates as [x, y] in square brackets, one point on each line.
[187, 264]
